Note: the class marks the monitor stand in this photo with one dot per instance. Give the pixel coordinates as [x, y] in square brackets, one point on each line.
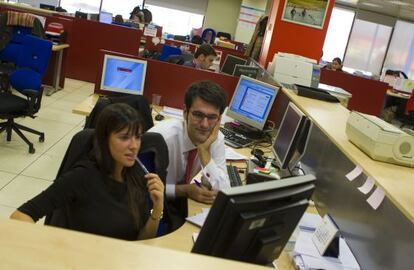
[247, 131]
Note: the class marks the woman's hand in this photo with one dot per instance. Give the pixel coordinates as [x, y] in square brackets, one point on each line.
[156, 192]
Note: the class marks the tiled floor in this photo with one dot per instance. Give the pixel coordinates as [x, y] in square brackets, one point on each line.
[24, 175]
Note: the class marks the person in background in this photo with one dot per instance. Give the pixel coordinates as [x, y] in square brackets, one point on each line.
[195, 143]
[147, 16]
[336, 64]
[118, 19]
[137, 15]
[203, 57]
[106, 193]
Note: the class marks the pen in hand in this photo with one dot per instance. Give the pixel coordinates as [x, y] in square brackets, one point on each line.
[142, 166]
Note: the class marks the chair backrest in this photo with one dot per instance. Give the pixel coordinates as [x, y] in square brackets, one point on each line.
[169, 50]
[212, 37]
[137, 102]
[153, 153]
[36, 54]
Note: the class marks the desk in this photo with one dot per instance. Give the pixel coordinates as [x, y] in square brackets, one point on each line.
[392, 93]
[371, 234]
[58, 67]
[28, 246]
[86, 106]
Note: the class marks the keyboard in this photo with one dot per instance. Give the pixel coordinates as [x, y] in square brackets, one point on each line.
[234, 139]
[234, 176]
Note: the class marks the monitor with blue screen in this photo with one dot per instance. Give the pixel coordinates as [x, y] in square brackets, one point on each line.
[105, 17]
[123, 75]
[252, 101]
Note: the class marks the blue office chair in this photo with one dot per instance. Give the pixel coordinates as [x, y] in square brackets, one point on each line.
[27, 79]
[169, 50]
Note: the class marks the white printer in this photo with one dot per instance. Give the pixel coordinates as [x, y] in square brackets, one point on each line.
[296, 69]
[380, 140]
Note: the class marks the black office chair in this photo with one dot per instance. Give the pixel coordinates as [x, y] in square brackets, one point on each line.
[153, 153]
[137, 102]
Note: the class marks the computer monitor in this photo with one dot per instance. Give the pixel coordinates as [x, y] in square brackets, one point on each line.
[230, 63]
[251, 102]
[253, 223]
[47, 7]
[81, 15]
[123, 74]
[248, 71]
[105, 17]
[289, 134]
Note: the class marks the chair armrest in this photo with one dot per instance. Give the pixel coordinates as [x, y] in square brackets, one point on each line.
[33, 97]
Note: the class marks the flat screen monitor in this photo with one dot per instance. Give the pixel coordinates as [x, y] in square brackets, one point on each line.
[288, 135]
[81, 15]
[47, 7]
[248, 71]
[251, 102]
[253, 223]
[123, 75]
[230, 63]
[105, 17]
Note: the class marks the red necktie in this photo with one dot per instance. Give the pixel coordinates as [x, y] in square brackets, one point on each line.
[189, 168]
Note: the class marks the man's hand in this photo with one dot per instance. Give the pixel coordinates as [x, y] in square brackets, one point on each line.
[199, 194]
[204, 148]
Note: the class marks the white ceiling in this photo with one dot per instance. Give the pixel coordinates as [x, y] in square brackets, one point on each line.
[403, 9]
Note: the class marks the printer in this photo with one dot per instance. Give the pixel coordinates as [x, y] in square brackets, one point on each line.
[296, 69]
[380, 140]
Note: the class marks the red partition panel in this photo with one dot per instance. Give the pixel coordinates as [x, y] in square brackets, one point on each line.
[367, 95]
[88, 37]
[171, 81]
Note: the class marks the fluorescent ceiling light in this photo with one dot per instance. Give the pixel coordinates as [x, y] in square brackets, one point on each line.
[400, 3]
[370, 4]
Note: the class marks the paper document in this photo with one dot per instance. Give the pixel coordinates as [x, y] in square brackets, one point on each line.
[309, 221]
[194, 236]
[199, 219]
[354, 173]
[172, 112]
[376, 198]
[367, 186]
[231, 154]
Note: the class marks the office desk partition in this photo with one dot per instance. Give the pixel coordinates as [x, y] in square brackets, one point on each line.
[379, 239]
[367, 95]
[170, 80]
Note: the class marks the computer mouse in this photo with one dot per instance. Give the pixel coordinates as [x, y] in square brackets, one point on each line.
[255, 152]
[159, 117]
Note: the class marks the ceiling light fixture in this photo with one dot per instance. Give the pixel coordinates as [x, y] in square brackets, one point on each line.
[400, 3]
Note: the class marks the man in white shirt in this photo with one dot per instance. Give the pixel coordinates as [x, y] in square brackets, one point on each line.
[198, 134]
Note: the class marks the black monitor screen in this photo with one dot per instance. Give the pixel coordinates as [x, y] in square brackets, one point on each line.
[231, 62]
[253, 223]
[248, 71]
[287, 135]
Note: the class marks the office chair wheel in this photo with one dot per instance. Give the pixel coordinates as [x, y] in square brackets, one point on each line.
[32, 150]
[42, 138]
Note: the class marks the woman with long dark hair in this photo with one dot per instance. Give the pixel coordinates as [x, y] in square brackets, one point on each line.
[106, 193]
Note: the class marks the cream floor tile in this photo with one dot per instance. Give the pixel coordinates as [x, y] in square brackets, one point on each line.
[64, 105]
[59, 149]
[60, 116]
[6, 211]
[46, 167]
[47, 100]
[49, 127]
[15, 161]
[68, 137]
[71, 83]
[5, 178]
[22, 189]
[77, 97]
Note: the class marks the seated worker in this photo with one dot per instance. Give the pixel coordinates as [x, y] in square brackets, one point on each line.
[203, 57]
[137, 15]
[104, 192]
[195, 143]
[336, 64]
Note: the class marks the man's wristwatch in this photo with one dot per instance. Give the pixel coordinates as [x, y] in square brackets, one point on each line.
[156, 218]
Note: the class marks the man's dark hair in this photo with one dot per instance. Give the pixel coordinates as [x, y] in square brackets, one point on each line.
[205, 50]
[209, 92]
[337, 59]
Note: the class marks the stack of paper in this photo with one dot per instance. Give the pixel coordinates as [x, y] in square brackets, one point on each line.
[172, 112]
[199, 219]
